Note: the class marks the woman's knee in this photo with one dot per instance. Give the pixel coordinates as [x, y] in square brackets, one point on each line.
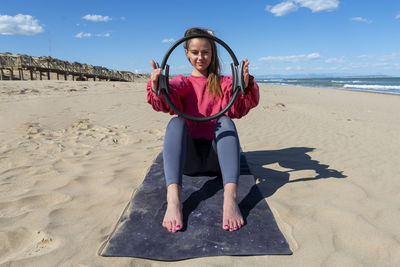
[225, 123]
[177, 123]
[225, 119]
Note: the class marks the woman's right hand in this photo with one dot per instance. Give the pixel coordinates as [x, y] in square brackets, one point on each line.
[154, 76]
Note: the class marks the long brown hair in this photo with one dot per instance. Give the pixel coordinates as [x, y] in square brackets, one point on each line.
[214, 70]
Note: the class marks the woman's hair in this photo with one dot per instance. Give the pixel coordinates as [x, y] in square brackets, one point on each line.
[214, 70]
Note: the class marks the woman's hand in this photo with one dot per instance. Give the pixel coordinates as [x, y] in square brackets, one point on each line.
[246, 74]
[154, 76]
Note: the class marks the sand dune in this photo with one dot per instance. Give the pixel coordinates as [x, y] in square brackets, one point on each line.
[72, 153]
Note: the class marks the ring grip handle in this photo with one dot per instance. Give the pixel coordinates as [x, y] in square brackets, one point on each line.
[237, 77]
[163, 80]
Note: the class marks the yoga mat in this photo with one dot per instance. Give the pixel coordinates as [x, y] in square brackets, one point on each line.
[139, 232]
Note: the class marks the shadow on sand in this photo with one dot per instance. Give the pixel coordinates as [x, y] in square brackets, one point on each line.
[293, 159]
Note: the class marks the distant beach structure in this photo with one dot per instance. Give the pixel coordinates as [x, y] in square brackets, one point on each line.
[24, 67]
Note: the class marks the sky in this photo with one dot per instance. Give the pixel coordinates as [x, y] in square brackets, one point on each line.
[285, 37]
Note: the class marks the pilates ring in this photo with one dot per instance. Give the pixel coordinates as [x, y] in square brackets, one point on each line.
[237, 78]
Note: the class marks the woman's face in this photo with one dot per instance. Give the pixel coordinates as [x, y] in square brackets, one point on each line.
[199, 53]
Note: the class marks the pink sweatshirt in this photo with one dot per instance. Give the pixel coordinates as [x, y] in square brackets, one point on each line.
[190, 94]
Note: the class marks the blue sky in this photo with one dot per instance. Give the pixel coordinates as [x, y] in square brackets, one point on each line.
[277, 36]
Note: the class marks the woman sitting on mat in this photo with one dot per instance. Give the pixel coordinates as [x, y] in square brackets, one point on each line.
[194, 148]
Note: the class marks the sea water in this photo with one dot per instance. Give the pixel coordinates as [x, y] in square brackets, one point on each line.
[387, 85]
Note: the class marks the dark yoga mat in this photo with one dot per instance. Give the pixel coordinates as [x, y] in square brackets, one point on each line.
[139, 232]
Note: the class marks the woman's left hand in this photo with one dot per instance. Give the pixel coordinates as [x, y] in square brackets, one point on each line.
[246, 74]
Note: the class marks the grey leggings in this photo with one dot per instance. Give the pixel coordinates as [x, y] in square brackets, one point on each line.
[184, 155]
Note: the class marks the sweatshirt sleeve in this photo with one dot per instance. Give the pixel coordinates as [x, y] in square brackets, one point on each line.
[243, 103]
[178, 87]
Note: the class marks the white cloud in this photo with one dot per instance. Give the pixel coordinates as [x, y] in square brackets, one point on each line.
[97, 18]
[389, 57]
[319, 5]
[107, 34]
[288, 6]
[282, 8]
[170, 40]
[366, 56]
[295, 58]
[398, 16]
[82, 34]
[361, 19]
[19, 25]
[323, 68]
[88, 34]
[293, 68]
[335, 60]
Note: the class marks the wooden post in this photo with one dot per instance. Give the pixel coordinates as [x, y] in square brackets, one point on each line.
[11, 74]
[40, 75]
[1, 74]
[57, 76]
[66, 76]
[48, 75]
[31, 74]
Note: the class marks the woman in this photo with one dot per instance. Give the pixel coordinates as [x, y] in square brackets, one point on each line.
[201, 147]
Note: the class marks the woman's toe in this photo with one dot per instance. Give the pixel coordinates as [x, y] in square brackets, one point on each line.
[231, 225]
[225, 225]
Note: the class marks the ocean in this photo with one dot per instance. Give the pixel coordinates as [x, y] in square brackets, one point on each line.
[386, 85]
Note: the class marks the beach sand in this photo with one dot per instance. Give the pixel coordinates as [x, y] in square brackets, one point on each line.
[72, 153]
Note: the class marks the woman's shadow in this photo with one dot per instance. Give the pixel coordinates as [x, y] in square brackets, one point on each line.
[292, 159]
[269, 180]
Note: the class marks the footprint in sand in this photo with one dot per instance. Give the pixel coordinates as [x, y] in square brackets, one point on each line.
[27, 91]
[277, 106]
[32, 128]
[154, 131]
[25, 243]
[39, 138]
[116, 106]
[81, 125]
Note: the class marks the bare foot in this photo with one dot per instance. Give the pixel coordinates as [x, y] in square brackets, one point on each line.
[173, 215]
[232, 219]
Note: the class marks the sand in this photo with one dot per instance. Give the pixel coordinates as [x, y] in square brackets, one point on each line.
[72, 153]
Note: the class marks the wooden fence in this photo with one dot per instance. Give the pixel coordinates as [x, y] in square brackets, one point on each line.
[16, 65]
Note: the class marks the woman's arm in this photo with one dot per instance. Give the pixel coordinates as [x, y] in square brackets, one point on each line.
[178, 88]
[243, 103]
